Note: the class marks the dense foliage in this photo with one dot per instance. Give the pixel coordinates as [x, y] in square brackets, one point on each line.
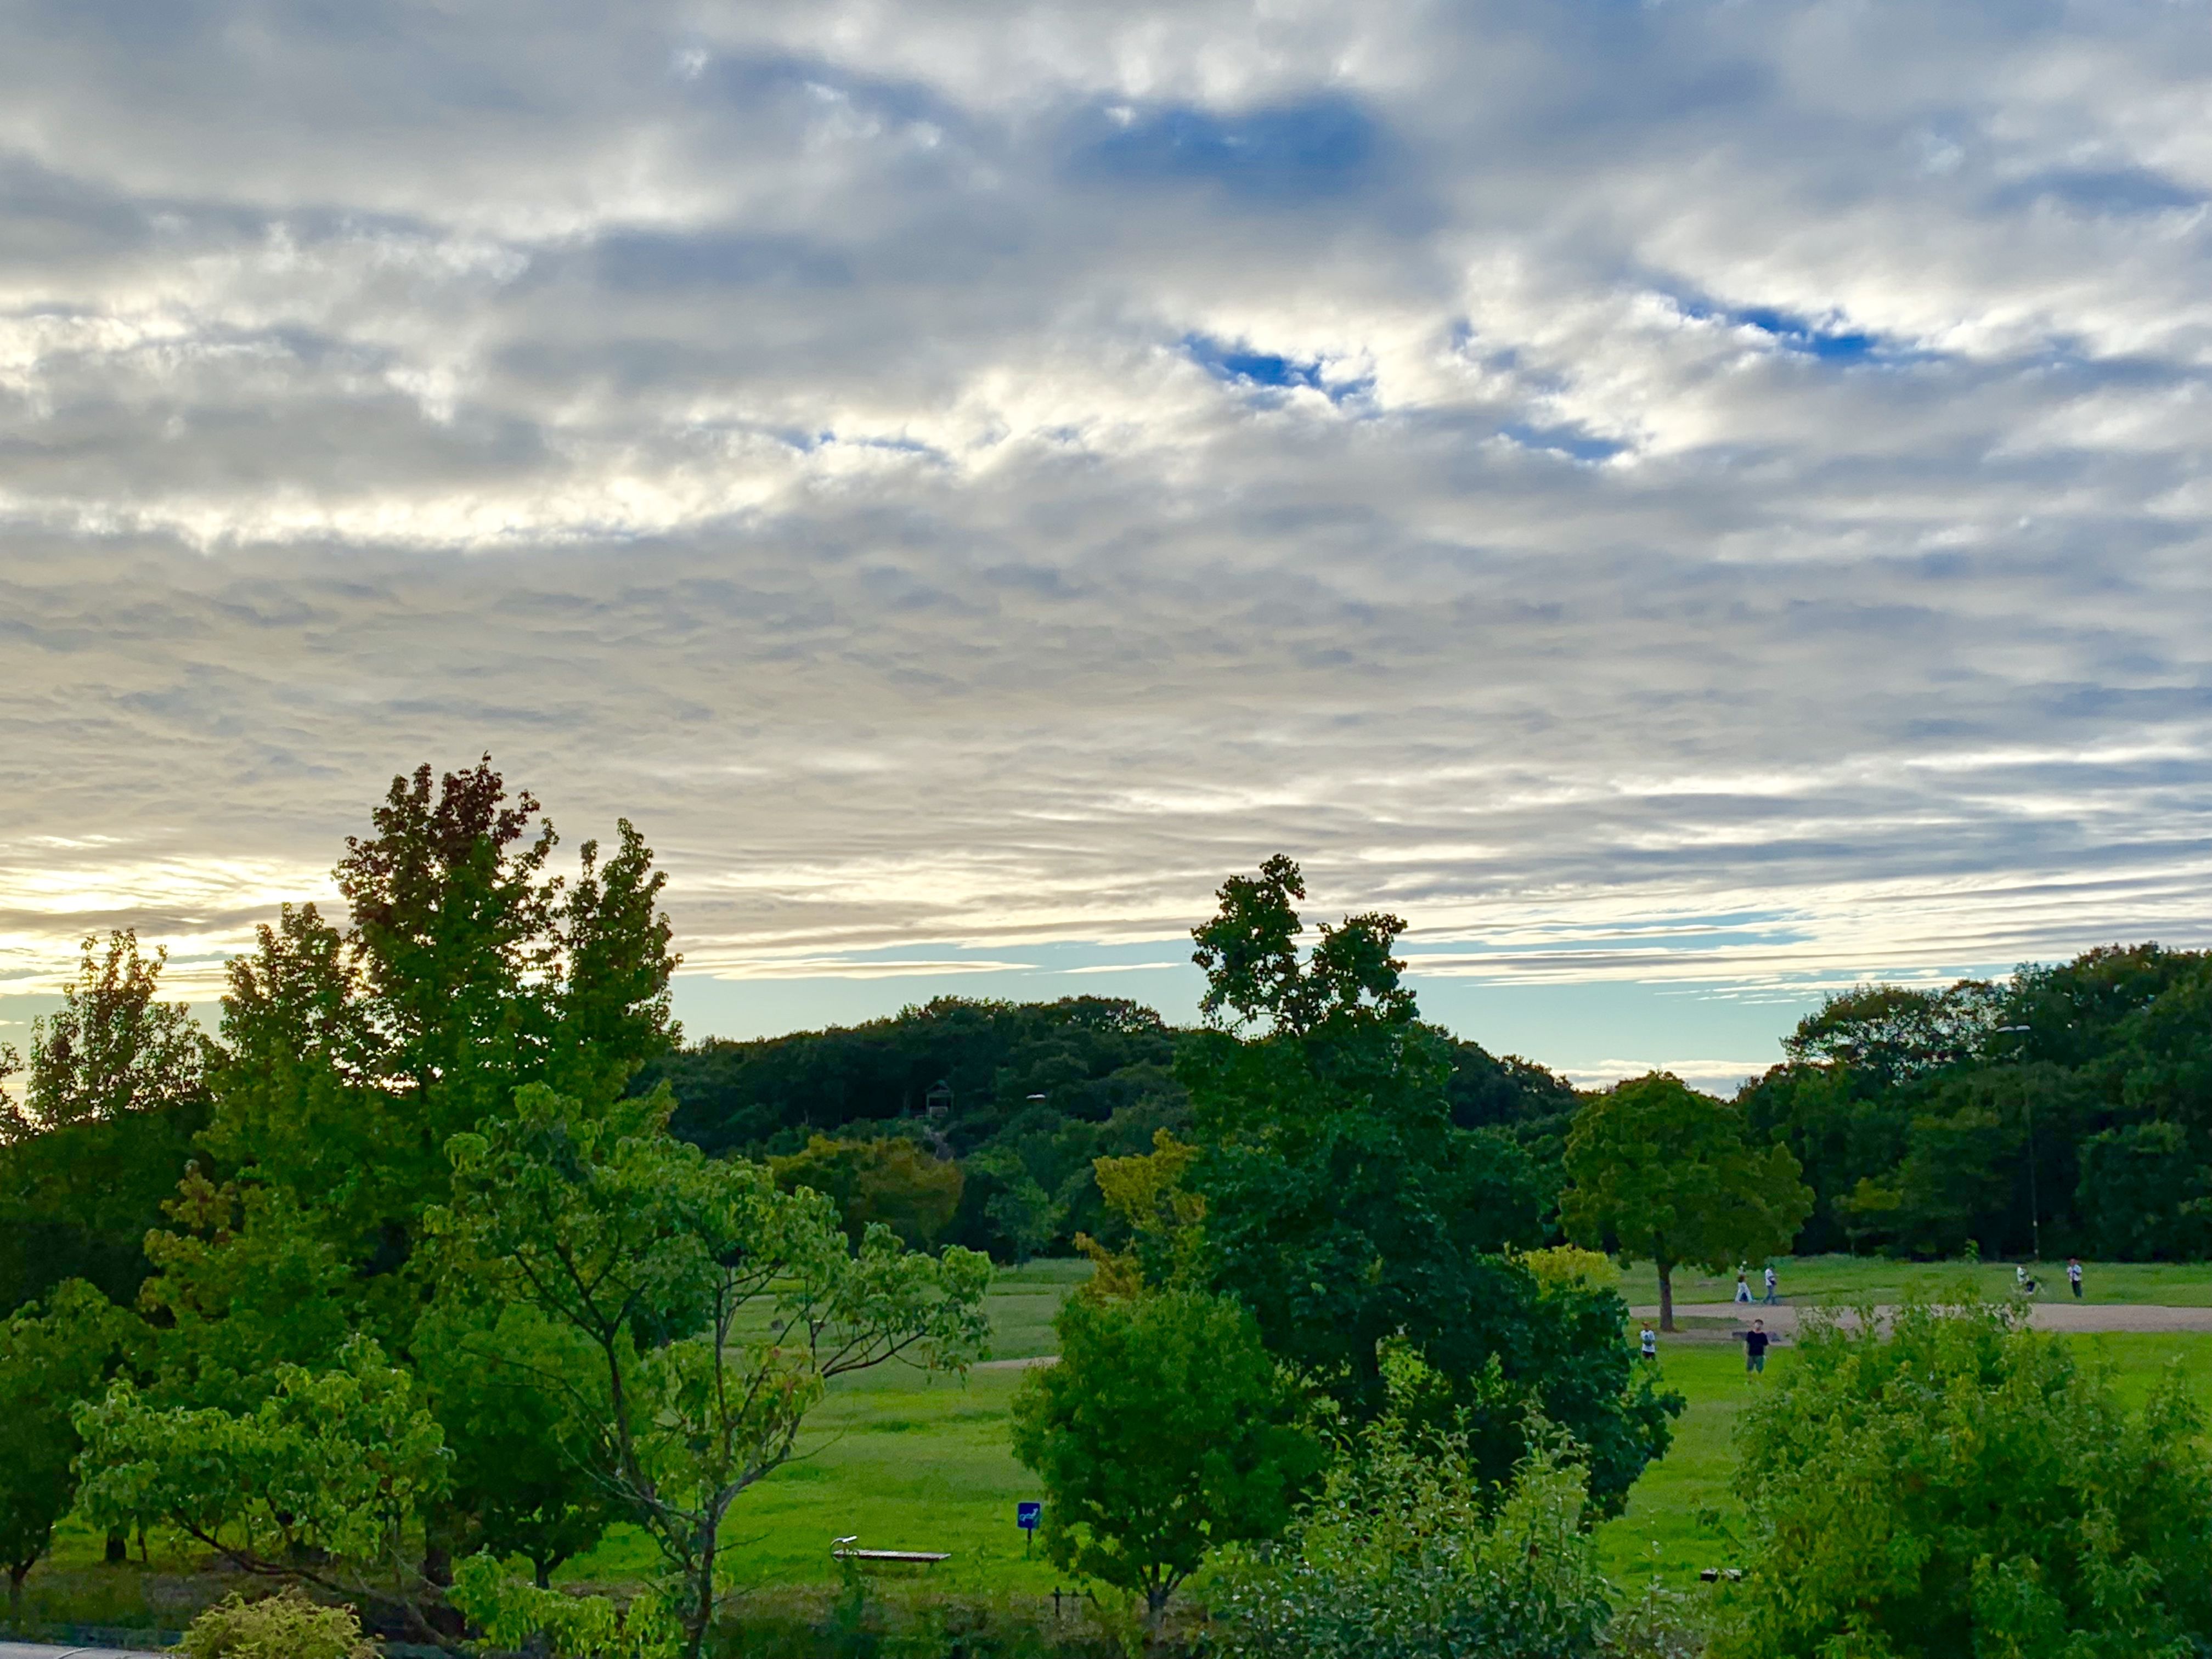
[1406, 1554]
[1659, 1173]
[1345, 1207]
[286, 1625]
[2070, 1105]
[1025, 1098]
[1965, 1485]
[1165, 1431]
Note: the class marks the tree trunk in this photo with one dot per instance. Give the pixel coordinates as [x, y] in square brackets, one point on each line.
[16, 1573]
[1666, 1295]
[702, 1609]
[119, 1546]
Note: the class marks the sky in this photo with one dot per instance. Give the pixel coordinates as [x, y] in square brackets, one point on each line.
[1692, 504]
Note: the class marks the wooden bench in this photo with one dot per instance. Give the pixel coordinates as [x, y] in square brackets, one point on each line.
[842, 1551]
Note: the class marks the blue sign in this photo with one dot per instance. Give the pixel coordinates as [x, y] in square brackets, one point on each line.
[1026, 1516]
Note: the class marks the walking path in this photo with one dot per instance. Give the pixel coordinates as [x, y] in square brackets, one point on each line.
[1782, 1319]
[36, 1651]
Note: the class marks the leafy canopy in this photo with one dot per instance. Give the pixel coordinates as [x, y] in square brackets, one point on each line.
[1164, 1431]
[1668, 1175]
[1345, 1209]
[51, 1359]
[1965, 1485]
[327, 1479]
[715, 1307]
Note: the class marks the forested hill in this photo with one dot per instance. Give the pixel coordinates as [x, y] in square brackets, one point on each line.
[2070, 1105]
[1022, 1095]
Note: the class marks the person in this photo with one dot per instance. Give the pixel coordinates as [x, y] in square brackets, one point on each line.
[2074, 1275]
[1772, 1282]
[1651, 1341]
[1742, 1287]
[2023, 1281]
[1754, 1346]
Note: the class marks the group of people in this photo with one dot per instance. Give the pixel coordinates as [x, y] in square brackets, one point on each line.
[1757, 1339]
[1743, 1286]
[2027, 1284]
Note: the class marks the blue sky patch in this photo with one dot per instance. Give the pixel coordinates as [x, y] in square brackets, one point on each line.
[1568, 440]
[1291, 152]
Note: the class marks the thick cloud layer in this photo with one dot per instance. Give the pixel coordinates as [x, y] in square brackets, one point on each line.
[1704, 492]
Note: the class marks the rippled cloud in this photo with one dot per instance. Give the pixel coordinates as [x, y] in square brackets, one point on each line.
[1691, 495]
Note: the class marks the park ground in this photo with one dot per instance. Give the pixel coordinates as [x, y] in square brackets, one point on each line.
[907, 1461]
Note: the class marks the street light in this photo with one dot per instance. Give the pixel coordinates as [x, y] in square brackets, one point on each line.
[2027, 1106]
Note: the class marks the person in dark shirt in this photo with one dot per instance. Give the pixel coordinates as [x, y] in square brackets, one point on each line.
[1754, 1346]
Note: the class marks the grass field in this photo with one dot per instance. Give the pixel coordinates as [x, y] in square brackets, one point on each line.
[908, 1461]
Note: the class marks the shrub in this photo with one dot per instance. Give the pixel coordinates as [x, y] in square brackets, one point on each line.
[285, 1626]
[1965, 1486]
[1405, 1556]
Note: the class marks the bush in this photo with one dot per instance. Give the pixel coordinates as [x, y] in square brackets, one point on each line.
[1965, 1486]
[1404, 1556]
[285, 1626]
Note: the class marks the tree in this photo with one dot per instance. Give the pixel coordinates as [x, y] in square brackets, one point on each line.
[1164, 1431]
[1345, 1209]
[890, 1180]
[524, 1478]
[1894, 1033]
[1667, 1176]
[50, 1361]
[111, 1048]
[324, 1481]
[352, 1055]
[716, 1306]
[1961, 1484]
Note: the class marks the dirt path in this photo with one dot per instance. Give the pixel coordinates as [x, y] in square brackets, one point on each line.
[1782, 1319]
[36, 1651]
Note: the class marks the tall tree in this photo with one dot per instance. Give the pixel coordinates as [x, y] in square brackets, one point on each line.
[1343, 1207]
[1666, 1174]
[112, 1047]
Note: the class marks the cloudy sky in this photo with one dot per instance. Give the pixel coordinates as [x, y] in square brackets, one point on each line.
[1689, 503]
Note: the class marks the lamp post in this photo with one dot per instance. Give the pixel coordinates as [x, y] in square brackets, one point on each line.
[2028, 1107]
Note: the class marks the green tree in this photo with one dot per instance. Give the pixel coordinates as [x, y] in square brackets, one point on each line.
[1164, 1431]
[1345, 1209]
[1963, 1484]
[1666, 1174]
[524, 1476]
[112, 1047]
[325, 1480]
[891, 1180]
[717, 1307]
[51, 1360]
